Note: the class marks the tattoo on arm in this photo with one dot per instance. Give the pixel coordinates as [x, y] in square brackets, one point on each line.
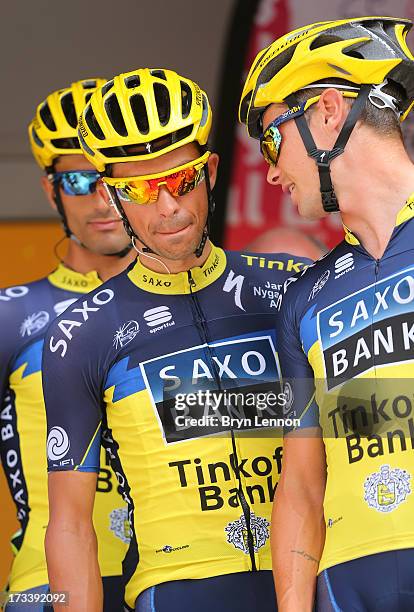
[305, 555]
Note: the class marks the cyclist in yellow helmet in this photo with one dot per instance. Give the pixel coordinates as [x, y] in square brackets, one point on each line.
[326, 102]
[154, 363]
[98, 249]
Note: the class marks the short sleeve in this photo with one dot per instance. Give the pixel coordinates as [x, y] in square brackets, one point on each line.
[298, 378]
[70, 375]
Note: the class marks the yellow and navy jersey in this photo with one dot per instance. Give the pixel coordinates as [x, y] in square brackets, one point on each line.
[162, 365]
[25, 313]
[346, 348]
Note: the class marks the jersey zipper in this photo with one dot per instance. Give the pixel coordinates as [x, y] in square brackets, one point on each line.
[203, 331]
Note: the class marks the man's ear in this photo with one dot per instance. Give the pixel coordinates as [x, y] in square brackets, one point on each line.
[333, 109]
[48, 188]
[213, 161]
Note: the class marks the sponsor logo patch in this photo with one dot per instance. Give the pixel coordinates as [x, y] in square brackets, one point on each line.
[34, 323]
[58, 443]
[237, 533]
[387, 489]
[320, 283]
[125, 334]
[374, 324]
[119, 524]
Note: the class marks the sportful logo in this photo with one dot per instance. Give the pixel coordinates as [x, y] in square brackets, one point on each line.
[158, 318]
[34, 323]
[57, 443]
[344, 264]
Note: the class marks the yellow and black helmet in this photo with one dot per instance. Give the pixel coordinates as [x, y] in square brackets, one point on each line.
[363, 50]
[143, 114]
[53, 131]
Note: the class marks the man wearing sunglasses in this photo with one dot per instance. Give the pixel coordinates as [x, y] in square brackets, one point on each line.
[170, 362]
[335, 93]
[98, 248]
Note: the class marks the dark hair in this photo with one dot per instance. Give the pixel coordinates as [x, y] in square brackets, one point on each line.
[382, 120]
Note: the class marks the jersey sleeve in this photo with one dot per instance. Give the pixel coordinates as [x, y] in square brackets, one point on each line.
[70, 375]
[297, 374]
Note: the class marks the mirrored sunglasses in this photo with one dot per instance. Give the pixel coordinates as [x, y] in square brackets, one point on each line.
[76, 182]
[145, 189]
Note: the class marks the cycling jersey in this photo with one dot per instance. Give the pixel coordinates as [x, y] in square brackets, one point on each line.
[346, 349]
[25, 312]
[199, 489]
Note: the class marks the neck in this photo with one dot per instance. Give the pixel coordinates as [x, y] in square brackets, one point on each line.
[83, 261]
[153, 261]
[379, 187]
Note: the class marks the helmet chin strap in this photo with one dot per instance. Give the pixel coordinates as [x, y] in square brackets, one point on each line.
[68, 232]
[116, 203]
[323, 157]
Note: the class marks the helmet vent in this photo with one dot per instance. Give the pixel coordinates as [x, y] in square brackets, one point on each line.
[186, 99]
[275, 65]
[84, 145]
[339, 69]
[88, 96]
[323, 40]
[205, 112]
[132, 81]
[65, 143]
[162, 101]
[140, 113]
[107, 87]
[93, 124]
[159, 74]
[37, 139]
[115, 116]
[68, 108]
[47, 118]
[89, 84]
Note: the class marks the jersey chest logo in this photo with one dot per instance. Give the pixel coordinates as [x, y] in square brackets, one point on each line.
[210, 376]
[372, 326]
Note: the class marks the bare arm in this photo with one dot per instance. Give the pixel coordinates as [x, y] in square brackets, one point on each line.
[71, 546]
[298, 528]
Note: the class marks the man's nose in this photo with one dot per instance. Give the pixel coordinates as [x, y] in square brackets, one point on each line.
[102, 196]
[273, 175]
[167, 204]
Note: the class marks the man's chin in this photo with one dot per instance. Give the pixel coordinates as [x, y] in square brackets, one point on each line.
[107, 249]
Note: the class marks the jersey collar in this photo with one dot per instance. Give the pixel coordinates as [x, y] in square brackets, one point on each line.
[405, 214]
[65, 278]
[176, 284]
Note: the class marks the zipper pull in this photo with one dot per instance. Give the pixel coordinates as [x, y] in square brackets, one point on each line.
[191, 281]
